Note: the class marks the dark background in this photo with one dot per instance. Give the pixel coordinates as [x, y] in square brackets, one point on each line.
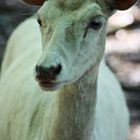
[12, 12]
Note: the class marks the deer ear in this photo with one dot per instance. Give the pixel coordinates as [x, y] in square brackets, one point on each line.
[34, 2]
[123, 4]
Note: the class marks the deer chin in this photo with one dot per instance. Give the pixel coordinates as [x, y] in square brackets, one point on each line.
[50, 86]
[55, 85]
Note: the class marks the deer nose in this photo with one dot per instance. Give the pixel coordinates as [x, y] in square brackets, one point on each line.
[47, 74]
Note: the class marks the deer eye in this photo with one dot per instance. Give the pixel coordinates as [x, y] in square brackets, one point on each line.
[95, 24]
[39, 21]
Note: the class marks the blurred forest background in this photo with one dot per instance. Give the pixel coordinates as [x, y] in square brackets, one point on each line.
[122, 49]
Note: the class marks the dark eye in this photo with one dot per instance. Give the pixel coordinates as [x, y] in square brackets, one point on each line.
[39, 21]
[95, 24]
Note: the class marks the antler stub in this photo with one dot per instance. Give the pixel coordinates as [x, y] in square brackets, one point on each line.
[35, 2]
[123, 4]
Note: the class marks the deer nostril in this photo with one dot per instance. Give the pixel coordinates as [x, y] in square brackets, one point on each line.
[53, 71]
[47, 74]
[40, 71]
[56, 70]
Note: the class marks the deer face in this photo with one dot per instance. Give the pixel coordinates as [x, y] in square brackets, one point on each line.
[73, 40]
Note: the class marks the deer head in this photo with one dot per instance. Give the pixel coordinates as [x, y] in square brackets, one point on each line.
[73, 38]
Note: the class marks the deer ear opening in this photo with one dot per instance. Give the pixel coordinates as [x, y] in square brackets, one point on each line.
[123, 4]
[34, 2]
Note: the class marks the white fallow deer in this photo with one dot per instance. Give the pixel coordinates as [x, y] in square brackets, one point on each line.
[78, 100]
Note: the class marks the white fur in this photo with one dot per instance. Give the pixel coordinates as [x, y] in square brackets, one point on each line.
[75, 111]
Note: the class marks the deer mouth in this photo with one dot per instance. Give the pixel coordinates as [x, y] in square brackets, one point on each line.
[45, 83]
[49, 86]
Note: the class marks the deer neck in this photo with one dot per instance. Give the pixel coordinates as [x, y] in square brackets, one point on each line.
[76, 107]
